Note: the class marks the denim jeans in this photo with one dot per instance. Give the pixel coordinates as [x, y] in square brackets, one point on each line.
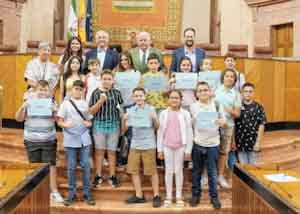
[201, 157]
[84, 154]
[231, 160]
[247, 157]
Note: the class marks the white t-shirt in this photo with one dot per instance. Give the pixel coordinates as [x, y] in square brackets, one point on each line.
[205, 137]
[92, 82]
[69, 113]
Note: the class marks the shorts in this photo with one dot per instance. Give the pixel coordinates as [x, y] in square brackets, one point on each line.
[107, 141]
[147, 157]
[41, 152]
[226, 139]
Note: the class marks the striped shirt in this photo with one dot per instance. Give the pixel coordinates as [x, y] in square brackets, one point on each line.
[39, 128]
[110, 110]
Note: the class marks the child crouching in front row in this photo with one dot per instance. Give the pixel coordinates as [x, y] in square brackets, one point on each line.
[174, 144]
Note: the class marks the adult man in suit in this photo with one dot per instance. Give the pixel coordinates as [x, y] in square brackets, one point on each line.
[108, 58]
[195, 54]
[140, 54]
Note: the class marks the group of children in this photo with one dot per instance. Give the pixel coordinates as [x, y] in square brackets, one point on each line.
[93, 110]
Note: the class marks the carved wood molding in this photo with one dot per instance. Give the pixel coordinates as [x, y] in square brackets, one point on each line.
[19, 1]
[260, 3]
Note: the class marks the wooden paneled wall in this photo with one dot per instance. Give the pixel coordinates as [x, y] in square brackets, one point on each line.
[277, 83]
[36, 201]
[246, 201]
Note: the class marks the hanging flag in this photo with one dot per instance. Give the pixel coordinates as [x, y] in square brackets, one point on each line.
[73, 20]
[81, 20]
[88, 23]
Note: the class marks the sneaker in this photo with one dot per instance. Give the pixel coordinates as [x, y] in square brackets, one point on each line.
[194, 201]
[114, 182]
[168, 203]
[156, 201]
[204, 181]
[105, 162]
[135, 200]
[98, 180]
[56, 197]
[223, 183]
[179, 203]
[89, 200]
[69, 201]
[216, 203]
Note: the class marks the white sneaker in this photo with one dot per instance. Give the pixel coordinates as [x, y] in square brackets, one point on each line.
[168, 203]
[204, 181]
[223, 183]
[56, 197]
[105, 162]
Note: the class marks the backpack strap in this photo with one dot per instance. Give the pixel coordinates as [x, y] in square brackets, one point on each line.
[78, 111]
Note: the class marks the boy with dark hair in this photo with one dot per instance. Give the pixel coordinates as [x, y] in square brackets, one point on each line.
[153, 97]
[249, 127]
[75, 119]
[230, 63]
[105, 105]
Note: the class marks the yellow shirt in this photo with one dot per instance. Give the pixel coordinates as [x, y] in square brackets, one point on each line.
[155, 98]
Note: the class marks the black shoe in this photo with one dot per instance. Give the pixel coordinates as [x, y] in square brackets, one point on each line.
[194, 201]
[98, 180]
[216, 203]
[69, 201]
[135, 200]
[156, 201]
[114, 182]
[89, 200]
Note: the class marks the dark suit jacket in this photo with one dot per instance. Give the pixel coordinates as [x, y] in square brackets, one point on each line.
[179, 53]
[110, 62]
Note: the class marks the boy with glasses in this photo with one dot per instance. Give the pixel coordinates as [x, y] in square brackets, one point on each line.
[249, 128]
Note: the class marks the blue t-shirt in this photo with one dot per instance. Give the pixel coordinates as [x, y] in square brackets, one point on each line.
[228, 98]
[143, 138]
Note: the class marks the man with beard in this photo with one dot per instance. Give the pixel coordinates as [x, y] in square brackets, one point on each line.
[195, 54]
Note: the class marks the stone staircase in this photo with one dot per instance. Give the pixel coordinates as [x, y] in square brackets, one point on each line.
[281, 148]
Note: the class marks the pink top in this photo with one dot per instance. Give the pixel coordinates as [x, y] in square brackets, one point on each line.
[172, 136]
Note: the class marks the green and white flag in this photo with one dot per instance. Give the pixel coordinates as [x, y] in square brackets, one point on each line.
[73, 20]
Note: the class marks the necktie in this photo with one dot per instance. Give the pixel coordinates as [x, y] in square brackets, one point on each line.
[144, 60]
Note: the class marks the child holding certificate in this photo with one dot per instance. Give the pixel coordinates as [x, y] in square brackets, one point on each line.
[144, 122]
[185, 66]
[75, 119]
[126, 78]
[105, 105]
[93, 78]
[174, 144]
[39, 131]
[207, 118]
[155, 82]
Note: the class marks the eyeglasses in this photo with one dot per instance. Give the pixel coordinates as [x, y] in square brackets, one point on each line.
[202, 90]
[248, 91]
[124, 59]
